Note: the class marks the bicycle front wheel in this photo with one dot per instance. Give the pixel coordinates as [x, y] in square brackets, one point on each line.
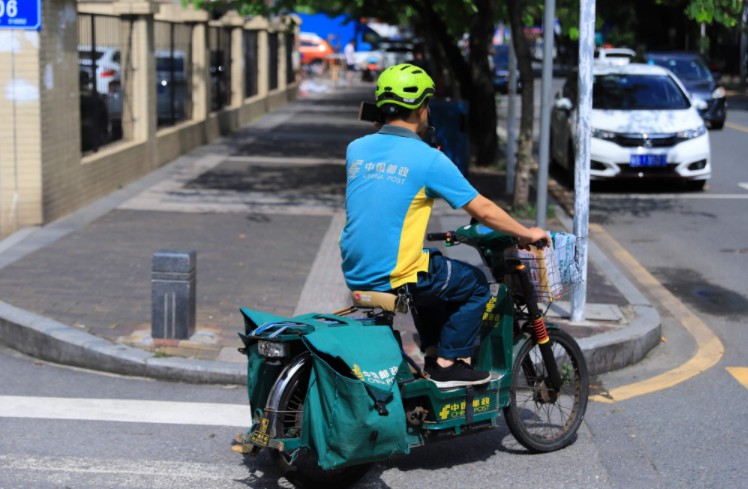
[540, 418]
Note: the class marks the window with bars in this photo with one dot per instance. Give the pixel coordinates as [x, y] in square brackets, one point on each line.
[103, 91]
[251, 56]
[272, 61]
[290, 52]
[173, 53]
[219, 45]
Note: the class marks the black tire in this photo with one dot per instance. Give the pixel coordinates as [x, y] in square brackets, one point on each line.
[696, 185]
[305, 471]
[540, 419]
[717, 124]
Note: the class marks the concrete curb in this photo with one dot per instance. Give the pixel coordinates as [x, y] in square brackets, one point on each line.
[53, 341]
[618, 349]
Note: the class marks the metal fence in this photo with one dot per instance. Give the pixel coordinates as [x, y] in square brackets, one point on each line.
[251, 56]
[173, 53]
[219, 45]
[103, 93]
[273, 61]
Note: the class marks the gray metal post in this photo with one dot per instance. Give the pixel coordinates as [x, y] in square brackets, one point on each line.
[582, 143]
[744, 47]
[173, 294]
[511, 122]
[545, 113]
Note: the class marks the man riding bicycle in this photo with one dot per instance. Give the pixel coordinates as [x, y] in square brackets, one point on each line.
[393, 178]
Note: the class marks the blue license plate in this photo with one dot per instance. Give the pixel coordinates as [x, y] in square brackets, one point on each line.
[647, 160]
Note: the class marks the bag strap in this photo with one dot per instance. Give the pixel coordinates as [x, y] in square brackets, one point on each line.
[313, 318]
[381, 399]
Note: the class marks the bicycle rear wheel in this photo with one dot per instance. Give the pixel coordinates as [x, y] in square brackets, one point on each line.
[302, 468]
[541, 419]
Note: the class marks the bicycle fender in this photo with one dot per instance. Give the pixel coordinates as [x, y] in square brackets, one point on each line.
[276, 392]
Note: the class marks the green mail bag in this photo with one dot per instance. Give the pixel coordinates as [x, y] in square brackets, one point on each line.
[353, 411]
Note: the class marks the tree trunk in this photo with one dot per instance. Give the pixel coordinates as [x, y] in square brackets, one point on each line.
[435, 28]
[481, 97]
[474, 81]
[524, 144]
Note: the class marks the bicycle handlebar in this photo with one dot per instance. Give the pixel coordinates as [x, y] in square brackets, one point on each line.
[437, 236]
[449, 235]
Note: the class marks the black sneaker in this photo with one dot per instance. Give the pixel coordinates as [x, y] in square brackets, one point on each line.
[458, 374]
[428, 363]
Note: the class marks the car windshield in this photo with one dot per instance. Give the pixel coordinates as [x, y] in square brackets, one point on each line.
[686, 69]
[637, 92]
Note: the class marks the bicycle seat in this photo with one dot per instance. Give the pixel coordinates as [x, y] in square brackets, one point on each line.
[382, 300]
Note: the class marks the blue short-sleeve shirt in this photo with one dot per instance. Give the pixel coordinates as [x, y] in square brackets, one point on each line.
[393, 178]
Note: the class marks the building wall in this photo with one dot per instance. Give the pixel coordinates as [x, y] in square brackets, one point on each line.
[43, 175]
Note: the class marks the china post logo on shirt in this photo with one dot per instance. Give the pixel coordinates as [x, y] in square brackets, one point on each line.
[378, 171]
[354, 168]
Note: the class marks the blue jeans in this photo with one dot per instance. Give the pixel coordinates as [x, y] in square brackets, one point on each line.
[449, 304]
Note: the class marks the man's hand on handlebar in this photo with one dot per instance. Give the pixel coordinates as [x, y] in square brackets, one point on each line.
[536, 235]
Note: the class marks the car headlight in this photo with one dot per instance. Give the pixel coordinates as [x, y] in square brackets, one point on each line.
[602, 134]
[691, 133]
[273, 349]
[719, 92]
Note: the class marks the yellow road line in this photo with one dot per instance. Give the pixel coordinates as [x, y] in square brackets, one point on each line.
[740, 374]
[737, 127]
[709, 347]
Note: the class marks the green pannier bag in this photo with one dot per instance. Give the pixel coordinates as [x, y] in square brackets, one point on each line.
[353, 412]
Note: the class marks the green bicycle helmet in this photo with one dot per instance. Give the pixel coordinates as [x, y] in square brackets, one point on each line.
[405, 85]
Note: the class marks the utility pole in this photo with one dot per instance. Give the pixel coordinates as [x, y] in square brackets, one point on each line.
[744, 45]
[511, 122]
[545, 114]
[582, 143]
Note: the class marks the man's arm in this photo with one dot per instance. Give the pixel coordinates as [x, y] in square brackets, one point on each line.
[493, 216]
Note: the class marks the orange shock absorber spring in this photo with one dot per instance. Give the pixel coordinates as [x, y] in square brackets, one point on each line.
[541, 334]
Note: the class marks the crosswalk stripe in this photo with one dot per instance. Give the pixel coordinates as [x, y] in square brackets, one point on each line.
[126, 410]
[740, 374]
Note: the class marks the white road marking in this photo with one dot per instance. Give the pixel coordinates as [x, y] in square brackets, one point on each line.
[126, 411]
[743, 185]
[672, 196]
[51, 471]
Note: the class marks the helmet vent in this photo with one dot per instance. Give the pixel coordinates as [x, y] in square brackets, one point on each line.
[417, 72]
[410, 89]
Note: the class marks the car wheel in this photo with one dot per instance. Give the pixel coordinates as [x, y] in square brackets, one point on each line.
[717, 124]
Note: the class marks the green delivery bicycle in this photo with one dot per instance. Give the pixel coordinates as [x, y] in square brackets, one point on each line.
[540, 381]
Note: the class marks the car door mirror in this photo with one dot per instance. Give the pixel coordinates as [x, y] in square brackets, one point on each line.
[563, 104]
[699, 104]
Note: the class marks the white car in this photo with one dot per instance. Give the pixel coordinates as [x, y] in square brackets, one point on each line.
[614, 56]
[644, 125]
[107, 80]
